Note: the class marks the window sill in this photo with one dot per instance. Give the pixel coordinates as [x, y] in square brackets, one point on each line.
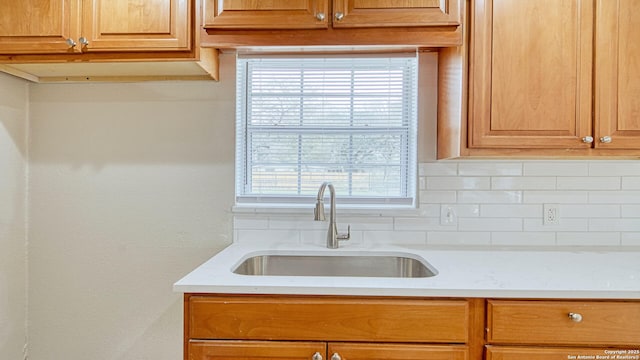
[301, 209]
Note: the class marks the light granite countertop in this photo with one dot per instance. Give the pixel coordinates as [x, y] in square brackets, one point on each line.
[579, 273]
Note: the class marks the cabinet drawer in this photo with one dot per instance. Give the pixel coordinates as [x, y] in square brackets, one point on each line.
[548, 322]
[327, 318]
[535, 353]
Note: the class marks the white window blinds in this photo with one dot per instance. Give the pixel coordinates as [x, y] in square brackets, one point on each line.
[302, 121]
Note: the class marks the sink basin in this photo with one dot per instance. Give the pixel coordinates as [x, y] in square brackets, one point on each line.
[396, 266]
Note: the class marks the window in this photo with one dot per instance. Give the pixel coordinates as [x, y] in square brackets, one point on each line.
[305, 120]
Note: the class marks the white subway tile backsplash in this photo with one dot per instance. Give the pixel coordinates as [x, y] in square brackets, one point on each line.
[437, 197]
[630, 239]
[510, 211]
[631, 183]
[589, 211]
[494, 203]
[490, 224]
[459, 238]
[395, 237]
[589, 183]
[542, 197]
[458, 183]
[556, 168]
[489, 197]
[631, 211]
[438, 169]
[523, 238]
[614, 197]
[588, 239]
[524, 183]
[422, 224]
[564, 225]
[614, 225]
[614, 168]
[481, 168]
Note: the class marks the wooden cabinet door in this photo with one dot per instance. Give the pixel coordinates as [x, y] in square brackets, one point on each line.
[617, 74]
[541, 353]
[530, 74]
[273, 14]
[381, 13]
[353, 351]
[137, 25]
[253, 350]
[38, 26]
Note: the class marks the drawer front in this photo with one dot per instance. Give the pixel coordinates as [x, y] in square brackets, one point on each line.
[327, 318]
[532, 353]
[549, 322]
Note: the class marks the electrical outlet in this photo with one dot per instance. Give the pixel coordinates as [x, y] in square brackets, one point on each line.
[551, 214]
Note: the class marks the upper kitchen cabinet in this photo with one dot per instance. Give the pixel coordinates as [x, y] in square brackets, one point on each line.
[276, 14]
[409, 23]
[314, 14]
[136, 25]
[376, 13]
[79, 26]
[38, 26]
[554, 78]
[617, 75]
[530, 77]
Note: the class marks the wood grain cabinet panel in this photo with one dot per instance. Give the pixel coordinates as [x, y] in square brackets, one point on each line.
[254, 350]
[530, 74]
[617, 74]
[137, 25]
[37, 26]
[351, 351]
[329, 319]
[383, 13]
[541, 353]
[81, 26]
[320, 14]
[606, 323]
[275, 14]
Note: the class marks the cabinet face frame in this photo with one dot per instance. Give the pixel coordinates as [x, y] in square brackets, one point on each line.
[65, 26]
[286, 14]
[481, 133]
[172, 31]
[367, 13]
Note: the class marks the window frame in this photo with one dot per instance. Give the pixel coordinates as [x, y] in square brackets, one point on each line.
[410, 177]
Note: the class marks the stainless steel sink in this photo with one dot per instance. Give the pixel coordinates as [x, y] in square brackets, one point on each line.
[396, 266]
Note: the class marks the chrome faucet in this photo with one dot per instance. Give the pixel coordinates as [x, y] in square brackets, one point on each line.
[333, 237]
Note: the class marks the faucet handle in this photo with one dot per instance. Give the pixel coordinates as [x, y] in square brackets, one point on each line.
[346, 236]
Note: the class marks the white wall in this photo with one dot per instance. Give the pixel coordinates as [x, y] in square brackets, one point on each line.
[13, 167]
[131, 186]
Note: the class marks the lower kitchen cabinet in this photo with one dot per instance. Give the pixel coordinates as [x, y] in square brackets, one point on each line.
[562, 329]
[536, 353]
[250, 350]
[252, 327]
[249, 327]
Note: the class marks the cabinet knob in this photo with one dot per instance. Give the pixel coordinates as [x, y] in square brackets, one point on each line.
[320, 16]
[316, 356]
[335, 356]
[71, 42]
[84, 41]
[339, 16]
[575, 317]
[606, 139]
[587, 139]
